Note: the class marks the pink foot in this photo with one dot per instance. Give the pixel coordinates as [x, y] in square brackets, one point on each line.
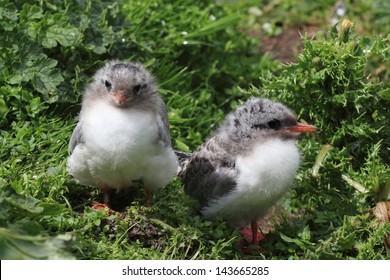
[103, 206]
[247, 233]
[252, 236]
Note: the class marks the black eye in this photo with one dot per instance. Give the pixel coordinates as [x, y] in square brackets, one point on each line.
[107, 84]
[136, 89]
[274, 124]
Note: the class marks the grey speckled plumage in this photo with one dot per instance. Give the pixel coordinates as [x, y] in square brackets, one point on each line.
[123, 131]
[247, 164]
[209, 172]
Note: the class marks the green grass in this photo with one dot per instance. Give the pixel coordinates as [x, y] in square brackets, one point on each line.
[206, 65]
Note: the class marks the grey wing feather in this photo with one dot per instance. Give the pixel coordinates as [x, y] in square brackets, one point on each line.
[76, 138]
[163, 127]
[209, 174]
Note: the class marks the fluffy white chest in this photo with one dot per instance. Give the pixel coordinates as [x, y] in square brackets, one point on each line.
[263, 177]
[117, 132]
[121, 147]
[268, 169]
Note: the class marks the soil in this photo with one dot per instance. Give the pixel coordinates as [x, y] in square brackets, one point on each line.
[286, 46]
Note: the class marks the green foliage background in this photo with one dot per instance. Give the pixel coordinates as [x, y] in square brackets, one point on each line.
[206, 64]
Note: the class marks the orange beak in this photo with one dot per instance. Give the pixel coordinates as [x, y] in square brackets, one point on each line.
[119, 97]
[301, 127]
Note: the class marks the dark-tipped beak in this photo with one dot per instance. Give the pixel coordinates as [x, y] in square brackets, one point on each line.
[119, 97]
[301, 127]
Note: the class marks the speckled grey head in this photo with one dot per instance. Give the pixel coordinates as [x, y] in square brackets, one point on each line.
[122, 83]
[258, 118]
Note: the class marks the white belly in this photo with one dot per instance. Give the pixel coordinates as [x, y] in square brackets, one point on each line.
[263, 177]
[121, 147]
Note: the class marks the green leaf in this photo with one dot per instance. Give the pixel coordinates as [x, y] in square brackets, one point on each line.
[51, 209]
[17, 186]
[386, 93]
[60, 32]
[29, 13]
[14, 246]
[8, 15]
[215, 26]
[305, 234]
[291, 240]
[3, 106]
[46, 77]
[27, 204]
[182, 146]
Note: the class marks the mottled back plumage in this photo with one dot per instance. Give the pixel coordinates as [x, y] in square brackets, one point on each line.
[209, 173]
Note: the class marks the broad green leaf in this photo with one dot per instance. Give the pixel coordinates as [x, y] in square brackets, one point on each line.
[28, 204]
[65, 35]
[8, 15]
[14, 246]
[46, 77]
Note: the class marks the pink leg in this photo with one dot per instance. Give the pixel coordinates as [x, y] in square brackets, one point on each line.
[106, 200]
[148, 197]
[254, 227]
[106, 196]
[252, 235]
